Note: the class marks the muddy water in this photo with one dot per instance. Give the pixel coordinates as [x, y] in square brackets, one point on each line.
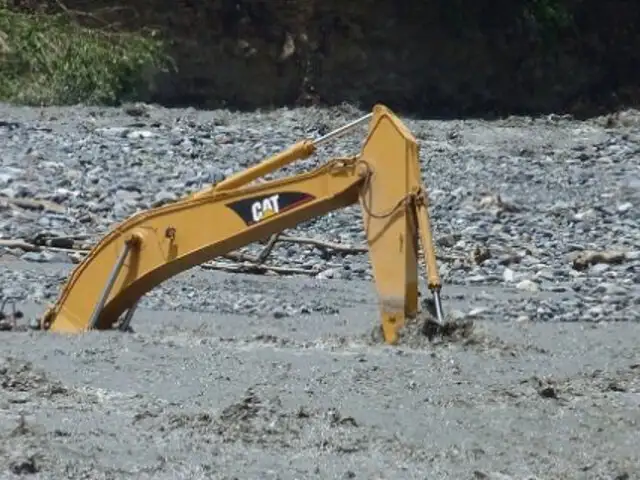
[191, 395]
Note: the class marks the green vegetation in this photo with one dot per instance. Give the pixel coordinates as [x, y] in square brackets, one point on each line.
[50, 59]
[549, 13]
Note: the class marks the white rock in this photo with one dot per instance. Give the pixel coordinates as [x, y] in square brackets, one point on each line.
[528, 285]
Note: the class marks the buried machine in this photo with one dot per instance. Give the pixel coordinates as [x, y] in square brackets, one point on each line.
[154, 245]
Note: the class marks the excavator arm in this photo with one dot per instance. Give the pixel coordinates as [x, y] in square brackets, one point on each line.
[154, 245]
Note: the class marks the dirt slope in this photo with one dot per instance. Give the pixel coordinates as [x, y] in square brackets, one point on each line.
[437, 57]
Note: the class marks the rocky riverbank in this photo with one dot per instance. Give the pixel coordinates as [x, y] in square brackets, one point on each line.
[523, 202]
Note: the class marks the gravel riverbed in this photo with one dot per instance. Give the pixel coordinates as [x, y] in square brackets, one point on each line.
[230, 375]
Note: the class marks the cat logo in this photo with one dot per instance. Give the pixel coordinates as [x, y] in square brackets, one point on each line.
[265, 208]
[253, 210]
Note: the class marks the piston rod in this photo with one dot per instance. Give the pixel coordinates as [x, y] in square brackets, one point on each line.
[109, 285]
[338, 132]
[126, 321]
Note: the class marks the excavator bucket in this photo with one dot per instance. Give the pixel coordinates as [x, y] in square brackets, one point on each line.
[154, 245]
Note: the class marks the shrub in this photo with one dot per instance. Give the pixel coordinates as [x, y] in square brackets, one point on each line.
[52, 60]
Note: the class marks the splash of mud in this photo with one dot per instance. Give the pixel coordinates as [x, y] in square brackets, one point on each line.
[422, 331]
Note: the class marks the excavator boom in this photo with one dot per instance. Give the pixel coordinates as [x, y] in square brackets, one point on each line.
[154, 245]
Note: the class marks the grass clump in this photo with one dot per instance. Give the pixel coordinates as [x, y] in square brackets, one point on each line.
[52, 60]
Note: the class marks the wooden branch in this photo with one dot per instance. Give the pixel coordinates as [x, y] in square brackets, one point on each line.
[324, 244]
[33, 204]
[21, 244]
[31, 247]
[50, 237]
[247, 263]
[257, 269]
[348, 248]
[266, 251]
[92, 15]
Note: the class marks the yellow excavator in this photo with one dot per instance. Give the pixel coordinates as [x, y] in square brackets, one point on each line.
[153, 245]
